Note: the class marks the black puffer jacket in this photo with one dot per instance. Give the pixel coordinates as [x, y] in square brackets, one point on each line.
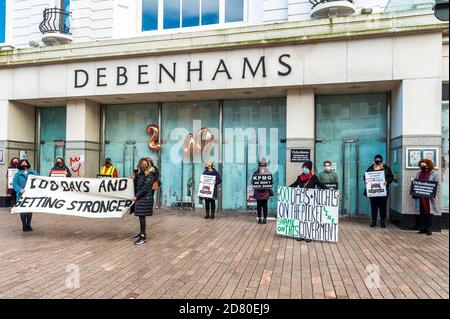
[143, 192]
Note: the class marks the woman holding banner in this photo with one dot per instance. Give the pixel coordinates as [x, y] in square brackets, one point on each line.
[262, 195]
[143, 198]
[210, 203]
[426, 207]
[307, 179]
[379, 202]
[19, 182]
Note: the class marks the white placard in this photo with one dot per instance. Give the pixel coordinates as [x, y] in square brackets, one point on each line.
[375, 184]
[206, 186]
[84, 197]
[11, 173]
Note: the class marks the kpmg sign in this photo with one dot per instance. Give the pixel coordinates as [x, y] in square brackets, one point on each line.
[173, 72]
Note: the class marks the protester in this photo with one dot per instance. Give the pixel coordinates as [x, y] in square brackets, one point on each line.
[210, 203]
[426, 207]
[13, 164]
[379, 202]
[109, 169]
[60, 168]
[328, 175]
[307, 179]
[19, 182]
[143, 199]
[262, 195]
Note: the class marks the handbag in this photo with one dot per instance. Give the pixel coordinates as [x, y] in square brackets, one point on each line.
[155, 185]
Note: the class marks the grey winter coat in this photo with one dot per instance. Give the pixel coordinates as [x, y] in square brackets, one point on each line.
[143, 192]
[435, 208]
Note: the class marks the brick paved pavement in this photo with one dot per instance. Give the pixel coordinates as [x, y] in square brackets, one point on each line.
[229, 257]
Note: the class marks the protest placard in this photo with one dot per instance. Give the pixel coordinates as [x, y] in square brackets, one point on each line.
[262, 181]
[206, 186]
[375, 184]
[11, 173]
[421, 188]
[308, 213]
[85, 197]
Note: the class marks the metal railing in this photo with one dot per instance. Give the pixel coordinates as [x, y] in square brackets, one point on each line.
[317, 2]
[55, 20]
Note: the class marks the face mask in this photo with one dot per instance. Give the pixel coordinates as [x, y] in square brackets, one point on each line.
[423, 168]
[59, 164]
[378, 162]
[143, 167]
[327, 169]
[305, 170]
[24, 167]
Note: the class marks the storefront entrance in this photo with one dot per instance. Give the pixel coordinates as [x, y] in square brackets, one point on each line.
[350, 130]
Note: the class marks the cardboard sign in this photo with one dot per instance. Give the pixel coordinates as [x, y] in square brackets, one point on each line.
[375, 185]
[206, 186]
[84, 197]
[308, 213]
[251, 201]
[58, 173]
[421, 188]
[262, 181]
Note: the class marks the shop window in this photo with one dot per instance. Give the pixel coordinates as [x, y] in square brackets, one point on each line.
[177, 14]
[2, 20]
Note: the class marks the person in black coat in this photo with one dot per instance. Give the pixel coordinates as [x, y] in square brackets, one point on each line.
[379, 203]
[143, 198]
[60, 168]
[210, 203]
[307, 179]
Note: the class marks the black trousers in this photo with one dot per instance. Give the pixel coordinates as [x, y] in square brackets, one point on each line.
[261, 206]
[425, 220]
[26, 218]
[378, 203]
[210, 206]
[143, 224]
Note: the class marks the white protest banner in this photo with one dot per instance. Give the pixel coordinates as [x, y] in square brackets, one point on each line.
[206, 186]
[11, 173]
[375, 185]
[308, 213]
[84, 197]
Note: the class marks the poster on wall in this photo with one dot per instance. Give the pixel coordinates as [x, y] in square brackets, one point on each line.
[308, 213]
[206, 186]
[23, 155]
[375, 184]
[2, 156]
[300, 155]
[414, 155]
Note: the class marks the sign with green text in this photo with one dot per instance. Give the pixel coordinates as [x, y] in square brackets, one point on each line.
[308, 213]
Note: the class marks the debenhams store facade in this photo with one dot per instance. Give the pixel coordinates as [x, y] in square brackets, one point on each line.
[341, 92]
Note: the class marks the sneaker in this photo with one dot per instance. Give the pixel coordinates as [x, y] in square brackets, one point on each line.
[136, 237]
[140, 241]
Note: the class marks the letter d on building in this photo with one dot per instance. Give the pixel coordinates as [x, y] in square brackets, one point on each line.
[77, 78]
[73, 279]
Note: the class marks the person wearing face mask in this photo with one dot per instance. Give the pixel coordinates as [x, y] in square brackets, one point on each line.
[307, 179]
[143, 198]
[426, 207]
[379, 203]
[19, 182]
[60, 169]
[262, 195]
[328, 175]
[13, 165]
[210, 203]
[109, 169]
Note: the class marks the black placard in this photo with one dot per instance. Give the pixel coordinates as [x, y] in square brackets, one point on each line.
[262, 181]
[300, 155]
[421, 188]
[332, 185]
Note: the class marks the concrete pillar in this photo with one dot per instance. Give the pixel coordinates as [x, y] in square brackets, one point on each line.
[83, 137]
[415, 123]
[300, 127]
[17, 135]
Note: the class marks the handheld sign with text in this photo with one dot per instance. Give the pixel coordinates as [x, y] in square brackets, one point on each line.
[206, 186]
[308, 213]
[375, 185]
[262, 181]
[421, 188]
[58, 173]
[331, 185]
[84, 197]
[11, 173]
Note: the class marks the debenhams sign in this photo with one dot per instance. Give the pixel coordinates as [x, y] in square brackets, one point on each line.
[227, 69]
